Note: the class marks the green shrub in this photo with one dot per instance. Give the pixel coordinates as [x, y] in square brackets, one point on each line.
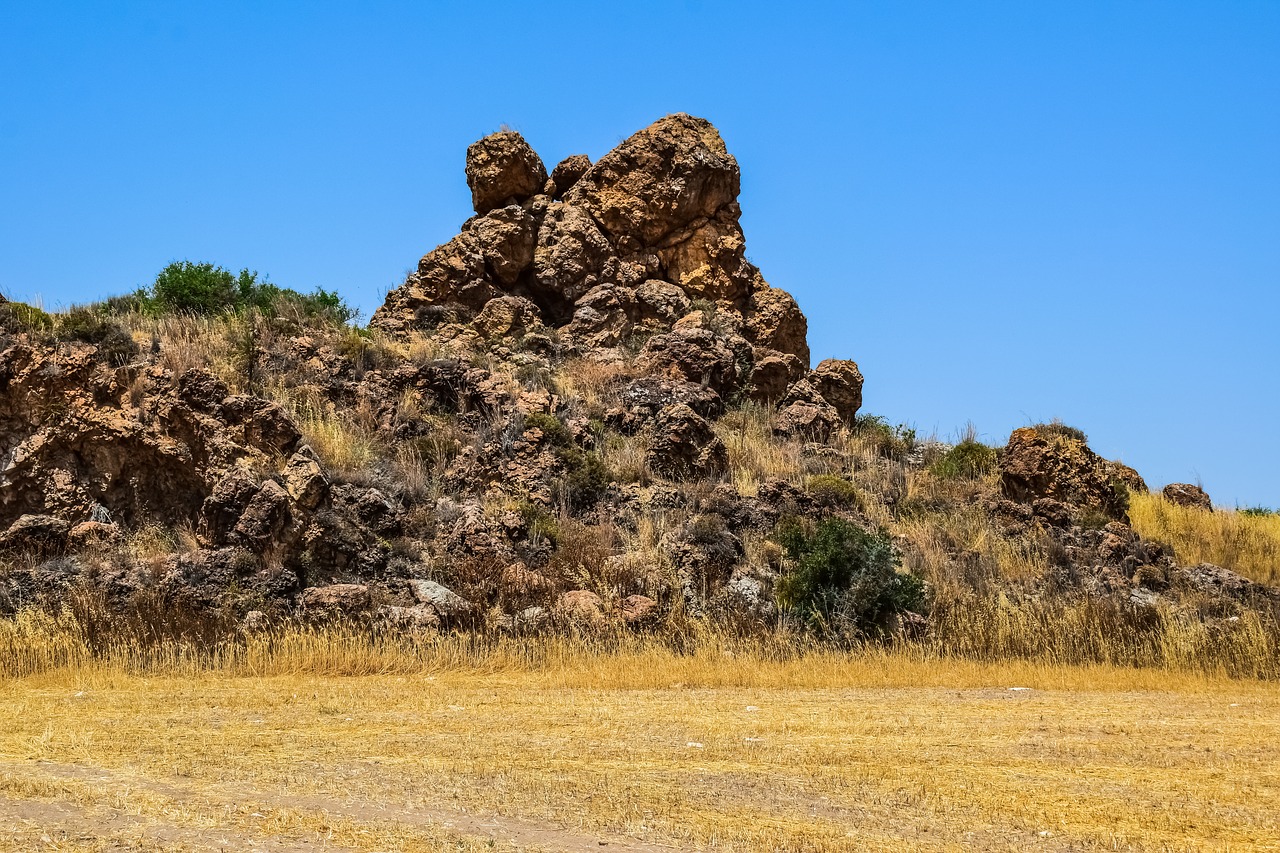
[840, 578]
[585, 479]
[540, 523]
[968, 460]
[20, 317]
[554, 432]
[1259, 511]
[891, 442]
[833, 491]
[115, 345]
[1057, 429]
[187, 288]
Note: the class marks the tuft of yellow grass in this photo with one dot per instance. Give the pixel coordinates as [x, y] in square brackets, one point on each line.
[1246, 544]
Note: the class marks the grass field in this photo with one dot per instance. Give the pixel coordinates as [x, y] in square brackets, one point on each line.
[642, 751]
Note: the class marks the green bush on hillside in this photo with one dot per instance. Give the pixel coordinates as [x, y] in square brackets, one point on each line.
[184, 287]
[969, 460]
[840, 578]
[115, 345]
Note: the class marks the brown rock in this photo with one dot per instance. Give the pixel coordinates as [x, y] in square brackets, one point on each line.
[694, 354]
[502, 167]
[772, 374]
[775, 322]
[683, 445]
[580, 607]
[1059, 466]
[567, 172]
[571, 257]
[1131, 479]
[641, 400]
[708, 259]
[659, 180]
[44, 531]
[602, 317]
[508, 317]
[806, 420]
[505, 239]
[336, 599]
[264, 518]
[1185, 494]
[660, 304]
[637, 610]
[839, 382]
[305, 479]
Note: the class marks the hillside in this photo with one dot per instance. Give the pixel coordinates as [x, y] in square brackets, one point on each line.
[587, 412]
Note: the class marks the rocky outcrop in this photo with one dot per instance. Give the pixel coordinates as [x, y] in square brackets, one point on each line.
[642, 249]
[1037, 465]
[1185, 494]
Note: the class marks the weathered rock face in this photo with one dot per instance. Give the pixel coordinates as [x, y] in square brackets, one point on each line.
[1185, 494]
[1035, 466]
[664, 178]
[644, 245]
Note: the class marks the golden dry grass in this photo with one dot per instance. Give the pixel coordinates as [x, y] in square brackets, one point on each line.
[705, 751]
[1247, 544]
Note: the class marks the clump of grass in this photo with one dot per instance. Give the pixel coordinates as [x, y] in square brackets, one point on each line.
[1248, 544]
[1057, 429]
[833, 491]
[970, 459]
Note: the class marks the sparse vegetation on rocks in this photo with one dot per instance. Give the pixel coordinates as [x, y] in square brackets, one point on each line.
[586, 413]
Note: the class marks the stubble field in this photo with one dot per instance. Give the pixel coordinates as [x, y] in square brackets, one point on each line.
[642, 751]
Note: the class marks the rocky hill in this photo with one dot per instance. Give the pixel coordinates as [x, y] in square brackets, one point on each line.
[585, 410]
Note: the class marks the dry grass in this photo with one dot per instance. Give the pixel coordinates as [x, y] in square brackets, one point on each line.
[716, 749]
[1247, 544]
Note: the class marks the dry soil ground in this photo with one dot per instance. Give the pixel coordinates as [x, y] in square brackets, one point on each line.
[887, 757]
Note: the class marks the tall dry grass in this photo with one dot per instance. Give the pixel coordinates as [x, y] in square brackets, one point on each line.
[1247, 544]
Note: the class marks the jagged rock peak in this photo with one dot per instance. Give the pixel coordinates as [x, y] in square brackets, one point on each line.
[642, 246]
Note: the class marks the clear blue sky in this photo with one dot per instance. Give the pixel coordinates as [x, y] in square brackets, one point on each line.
[1005, 212]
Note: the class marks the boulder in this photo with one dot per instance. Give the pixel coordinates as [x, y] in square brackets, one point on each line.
[683, 445]
[637, 610]
[580, 608]
[502, 167]
[339, 599]
[642, 399]
[602, 317]
[839, 383]
[445, 601]
[43, 531]
[1185, 494]
[505, 238]
[571, 257]
[772, 374]
[508, 317]
[806, 421]
[660, 179]
[694, 354]
[1131, 479]
[775, 322]
[305, 479]
[566, 174]
[1056, 465]
[659, 304]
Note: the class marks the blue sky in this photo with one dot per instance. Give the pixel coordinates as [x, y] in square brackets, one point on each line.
[1005, 212]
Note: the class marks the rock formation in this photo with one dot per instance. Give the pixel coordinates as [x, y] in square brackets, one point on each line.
[642, 248]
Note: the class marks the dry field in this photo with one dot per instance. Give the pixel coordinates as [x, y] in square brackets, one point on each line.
[640, 751]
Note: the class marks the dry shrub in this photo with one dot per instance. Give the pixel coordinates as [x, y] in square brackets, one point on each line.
[592, 382]
[755, 453]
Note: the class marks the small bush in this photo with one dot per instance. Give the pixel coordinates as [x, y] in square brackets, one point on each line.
[554, 432]
[1258, 511]
[969, 460]
[891, 442]
[1057, 429]
[840, 578]
[540, 523]
[20, 317]
[833, 491]
[585, 479]
[115, 345]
